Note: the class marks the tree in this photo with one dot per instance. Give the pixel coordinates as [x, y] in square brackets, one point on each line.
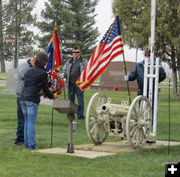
[1, 38]
[168, 34]
[135, 26]
[18, 19]
[75, 22]
[134, 17]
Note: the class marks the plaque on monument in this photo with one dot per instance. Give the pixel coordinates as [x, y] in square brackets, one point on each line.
[113, 77]
[11, 82]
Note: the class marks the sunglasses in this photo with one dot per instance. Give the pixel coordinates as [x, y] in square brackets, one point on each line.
[147, 55]
[76, 52]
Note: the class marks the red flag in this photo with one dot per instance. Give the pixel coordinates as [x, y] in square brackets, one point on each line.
[57, 54]
[54, 52]
[109, 47]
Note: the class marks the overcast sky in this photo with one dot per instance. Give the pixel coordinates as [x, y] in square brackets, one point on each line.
[103, 19]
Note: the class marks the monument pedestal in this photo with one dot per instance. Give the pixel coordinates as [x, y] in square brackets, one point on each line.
[11, 83]
[114, 76]
[66, 106]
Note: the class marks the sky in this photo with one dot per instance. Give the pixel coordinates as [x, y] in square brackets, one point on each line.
[103, 19]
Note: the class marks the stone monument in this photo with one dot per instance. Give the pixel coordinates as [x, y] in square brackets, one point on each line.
[113, 77]
[11, 82]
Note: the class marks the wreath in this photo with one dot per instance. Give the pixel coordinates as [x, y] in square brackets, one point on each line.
[55, 83]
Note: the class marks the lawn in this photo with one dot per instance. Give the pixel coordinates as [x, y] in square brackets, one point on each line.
[19, 162]
[3, 76]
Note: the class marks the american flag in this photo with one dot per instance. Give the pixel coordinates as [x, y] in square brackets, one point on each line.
[109, 47]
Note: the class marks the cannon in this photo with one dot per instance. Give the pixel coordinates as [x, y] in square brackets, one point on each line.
[119, 120]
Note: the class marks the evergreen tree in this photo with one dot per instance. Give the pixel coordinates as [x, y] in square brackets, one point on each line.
[75, 22]
[1, 38]
[20, 38]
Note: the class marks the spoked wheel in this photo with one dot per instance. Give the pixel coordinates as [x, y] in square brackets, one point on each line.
[138, 122]
[96, 125]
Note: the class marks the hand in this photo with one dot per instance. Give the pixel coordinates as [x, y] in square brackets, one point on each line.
[55, 96]
[126, 78]
[61, 75]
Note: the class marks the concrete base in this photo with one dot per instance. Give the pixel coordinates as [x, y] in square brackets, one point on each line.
[79, 153]
[107, 148]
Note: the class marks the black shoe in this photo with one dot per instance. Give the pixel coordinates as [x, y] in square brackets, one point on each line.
[150, 142]
[20, 143]
[81, 118]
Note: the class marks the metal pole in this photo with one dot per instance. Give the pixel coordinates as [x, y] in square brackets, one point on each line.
[52, 128]
[156, 92]
[153, 18]
[145, 77]
[70, 148]
[151, 76]
[169, 118]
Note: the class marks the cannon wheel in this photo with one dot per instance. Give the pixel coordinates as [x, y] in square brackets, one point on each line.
[138, 122]
[96, 128]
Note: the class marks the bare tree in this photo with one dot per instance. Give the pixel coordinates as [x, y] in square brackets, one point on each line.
[1, 40]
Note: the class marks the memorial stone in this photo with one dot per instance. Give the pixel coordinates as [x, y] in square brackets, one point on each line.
[114, 77]
[11, 82]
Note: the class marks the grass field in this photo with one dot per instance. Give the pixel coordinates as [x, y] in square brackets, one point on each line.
[3, 76]
[19, 162]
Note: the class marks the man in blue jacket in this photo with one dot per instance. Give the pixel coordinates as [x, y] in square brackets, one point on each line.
[138, 73]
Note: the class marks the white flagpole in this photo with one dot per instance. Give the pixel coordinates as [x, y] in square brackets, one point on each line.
[152, 63]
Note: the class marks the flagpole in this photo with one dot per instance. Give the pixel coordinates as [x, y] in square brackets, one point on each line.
[63, 87]
[110, 29]
[55, 28]
[61, 71]
[125, 70]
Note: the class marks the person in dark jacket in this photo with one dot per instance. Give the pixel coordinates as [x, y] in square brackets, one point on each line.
[35, 80]
[71, 71]
[138, 73]
[21, 70]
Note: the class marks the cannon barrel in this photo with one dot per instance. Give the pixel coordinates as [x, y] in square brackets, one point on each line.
[115, 109]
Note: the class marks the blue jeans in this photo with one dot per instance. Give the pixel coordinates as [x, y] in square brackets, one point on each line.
[20, 123]
[72, 90]
[30, 111]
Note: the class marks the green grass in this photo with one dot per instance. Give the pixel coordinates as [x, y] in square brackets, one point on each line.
[19, 162]
[3, 76]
